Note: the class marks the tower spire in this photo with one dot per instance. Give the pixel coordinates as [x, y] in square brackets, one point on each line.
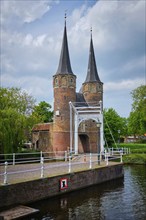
[64, 62]
[92, 73]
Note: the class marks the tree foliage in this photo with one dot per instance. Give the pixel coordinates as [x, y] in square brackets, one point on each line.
[137, 118]
[18, 114]
[114, 126]
[43, 112]
[15, 112]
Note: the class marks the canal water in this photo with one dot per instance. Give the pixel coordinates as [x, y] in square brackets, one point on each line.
[121, 199]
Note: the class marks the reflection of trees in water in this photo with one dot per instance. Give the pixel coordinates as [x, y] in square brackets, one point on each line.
[138, 174]
[135, 190]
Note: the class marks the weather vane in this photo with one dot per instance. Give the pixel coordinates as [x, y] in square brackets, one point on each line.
[65, 16]
[91, 31]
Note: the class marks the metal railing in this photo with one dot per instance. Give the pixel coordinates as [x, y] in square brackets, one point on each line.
[114, 151]
[21, 158]
[65, 163]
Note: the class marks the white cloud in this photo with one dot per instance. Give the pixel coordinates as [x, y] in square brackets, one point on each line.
[30, 58]
[27, 54]
[23, 11]
[113, 23]
[123, 85]
[35, 86]
[7, 64]
[135, 64]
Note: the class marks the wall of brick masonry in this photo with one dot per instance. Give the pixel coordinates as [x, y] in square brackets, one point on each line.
[25, 192]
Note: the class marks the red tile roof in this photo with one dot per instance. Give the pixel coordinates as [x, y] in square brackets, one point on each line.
[41, 127]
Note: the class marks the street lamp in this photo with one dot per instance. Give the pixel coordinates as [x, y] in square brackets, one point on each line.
[98, 147]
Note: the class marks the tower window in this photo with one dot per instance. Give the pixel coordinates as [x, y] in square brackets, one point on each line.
[56, 81]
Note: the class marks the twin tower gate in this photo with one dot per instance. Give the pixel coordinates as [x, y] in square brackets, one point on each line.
[80, 112]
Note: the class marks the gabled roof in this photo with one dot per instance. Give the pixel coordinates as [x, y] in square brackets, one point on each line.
[64, 62]
[92, 74]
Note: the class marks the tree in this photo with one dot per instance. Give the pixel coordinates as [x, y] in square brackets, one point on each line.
[43, 112]
[114, 126]
[137, 118]
[15, 110]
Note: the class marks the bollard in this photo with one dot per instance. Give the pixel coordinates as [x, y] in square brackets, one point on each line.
[84, 157]
[5, 174]
[90, 166]
[107, 161]
[69, 164]
[42, 167]
[121, 158]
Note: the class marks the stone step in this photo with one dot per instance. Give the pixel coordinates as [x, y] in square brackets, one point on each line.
[17, 212]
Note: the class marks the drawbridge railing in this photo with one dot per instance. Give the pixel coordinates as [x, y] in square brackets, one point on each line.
[59, 163]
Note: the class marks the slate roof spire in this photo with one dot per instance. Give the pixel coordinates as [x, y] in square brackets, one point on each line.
[92, 73]
[64, 62]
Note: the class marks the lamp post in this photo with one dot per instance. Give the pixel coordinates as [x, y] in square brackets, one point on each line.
[98, 147]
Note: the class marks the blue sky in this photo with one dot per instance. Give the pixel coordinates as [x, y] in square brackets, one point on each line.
[31, 38]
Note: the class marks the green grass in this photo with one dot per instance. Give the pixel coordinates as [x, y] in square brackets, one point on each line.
[134, 159]
[137, 153]
[135, 147]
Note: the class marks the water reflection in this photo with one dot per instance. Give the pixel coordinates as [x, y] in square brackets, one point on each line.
[121, 199]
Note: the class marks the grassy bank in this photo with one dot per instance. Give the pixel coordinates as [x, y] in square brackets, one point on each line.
[137, 155]
[134, 159]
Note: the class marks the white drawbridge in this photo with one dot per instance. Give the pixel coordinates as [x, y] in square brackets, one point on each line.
[80, 112]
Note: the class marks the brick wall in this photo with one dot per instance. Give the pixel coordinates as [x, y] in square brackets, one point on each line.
[22, 193]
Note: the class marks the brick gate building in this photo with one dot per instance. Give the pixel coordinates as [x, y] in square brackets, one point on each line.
[78, 121]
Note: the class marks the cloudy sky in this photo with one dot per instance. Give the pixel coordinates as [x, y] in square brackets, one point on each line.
[31, 38]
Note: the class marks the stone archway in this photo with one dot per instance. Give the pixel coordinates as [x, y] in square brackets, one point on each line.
[84, 145]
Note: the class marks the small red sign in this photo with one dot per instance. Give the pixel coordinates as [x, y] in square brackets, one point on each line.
[63, 183]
